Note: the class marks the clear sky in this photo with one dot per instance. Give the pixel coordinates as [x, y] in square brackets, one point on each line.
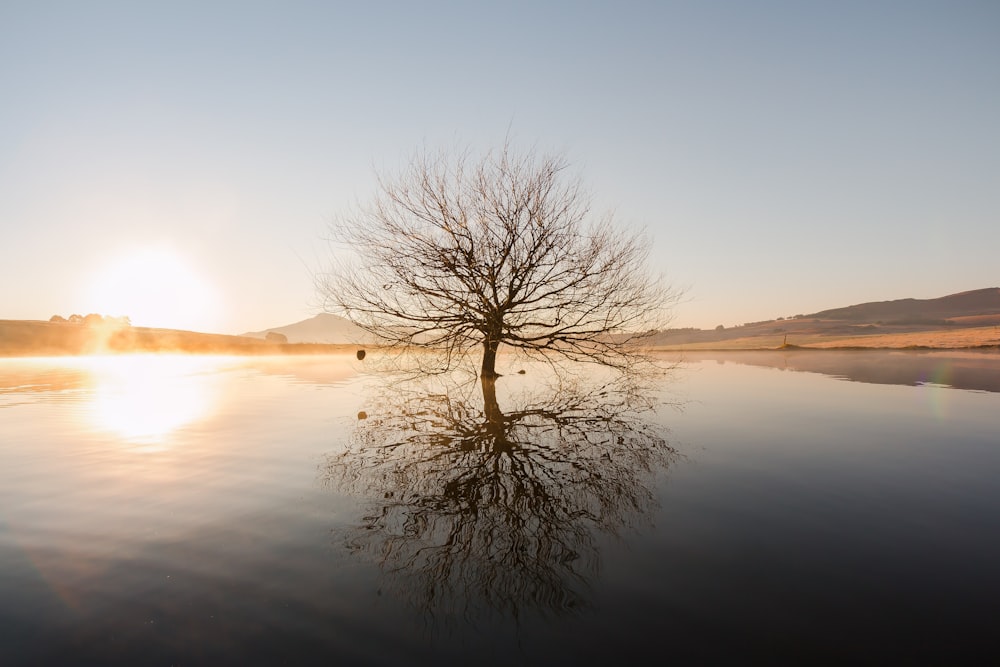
[785, 157]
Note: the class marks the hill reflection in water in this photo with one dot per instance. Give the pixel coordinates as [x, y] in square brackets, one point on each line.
[482, 506]
[979, 371]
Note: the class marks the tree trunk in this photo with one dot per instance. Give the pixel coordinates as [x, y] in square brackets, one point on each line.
[491, 408]
[496, 425]
[490, 359]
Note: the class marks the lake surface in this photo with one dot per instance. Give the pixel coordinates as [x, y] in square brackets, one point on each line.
[212, 510]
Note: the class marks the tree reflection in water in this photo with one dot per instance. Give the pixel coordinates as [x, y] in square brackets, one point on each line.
[481, 510]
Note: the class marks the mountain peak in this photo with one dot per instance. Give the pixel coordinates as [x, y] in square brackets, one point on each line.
[321, 328]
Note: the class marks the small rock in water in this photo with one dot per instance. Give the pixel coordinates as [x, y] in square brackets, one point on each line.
[361, 355]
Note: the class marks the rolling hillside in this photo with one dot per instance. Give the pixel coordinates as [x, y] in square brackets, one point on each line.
[966, 319]
[975, 303]
[37, 338]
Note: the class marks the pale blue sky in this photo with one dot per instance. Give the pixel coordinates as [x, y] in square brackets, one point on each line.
[785, 157]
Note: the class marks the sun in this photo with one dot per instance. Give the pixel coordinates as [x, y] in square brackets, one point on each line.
[155, 287]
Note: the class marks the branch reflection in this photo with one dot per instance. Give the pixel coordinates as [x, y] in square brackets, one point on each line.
[481, 510]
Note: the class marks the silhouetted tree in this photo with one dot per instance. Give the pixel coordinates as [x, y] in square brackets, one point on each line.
[460, 253]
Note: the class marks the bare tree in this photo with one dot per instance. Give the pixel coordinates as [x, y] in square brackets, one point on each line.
[460, 252]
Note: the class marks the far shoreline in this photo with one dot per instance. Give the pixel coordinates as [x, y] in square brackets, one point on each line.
[973, 338]
[35, 338]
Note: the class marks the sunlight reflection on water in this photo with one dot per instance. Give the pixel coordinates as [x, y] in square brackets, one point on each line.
[145, 398]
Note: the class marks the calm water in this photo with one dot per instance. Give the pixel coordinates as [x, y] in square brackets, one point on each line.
[203, 510]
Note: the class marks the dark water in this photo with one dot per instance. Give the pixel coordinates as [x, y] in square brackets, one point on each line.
[223, 511]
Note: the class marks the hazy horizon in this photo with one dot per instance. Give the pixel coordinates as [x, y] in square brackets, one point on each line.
[179, 163]
[307, 318]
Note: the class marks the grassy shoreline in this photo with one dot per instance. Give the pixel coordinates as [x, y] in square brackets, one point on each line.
[24, 338]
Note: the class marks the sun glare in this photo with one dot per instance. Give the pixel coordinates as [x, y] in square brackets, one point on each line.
[143, 399]
[155, 288]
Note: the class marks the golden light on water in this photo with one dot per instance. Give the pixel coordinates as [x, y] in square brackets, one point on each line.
[144, 399]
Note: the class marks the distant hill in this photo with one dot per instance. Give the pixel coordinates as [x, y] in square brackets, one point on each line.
[323, 328]
[969, 318]
[975, 308]
[37, 338]
[902, 311]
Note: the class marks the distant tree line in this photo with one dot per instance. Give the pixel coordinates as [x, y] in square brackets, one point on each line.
[94, 319]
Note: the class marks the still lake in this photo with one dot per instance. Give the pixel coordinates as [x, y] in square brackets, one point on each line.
[170, 510]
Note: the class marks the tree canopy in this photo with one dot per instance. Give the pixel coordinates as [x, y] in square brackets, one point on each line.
[459, 252]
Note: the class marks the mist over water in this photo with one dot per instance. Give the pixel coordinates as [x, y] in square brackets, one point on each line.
[220, 510]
